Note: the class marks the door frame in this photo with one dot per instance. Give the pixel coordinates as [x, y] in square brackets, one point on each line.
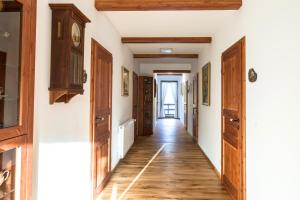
[177, 85]
[243, 117]
[187, 105]
[94, 45]
[136, 128]
[196, 107]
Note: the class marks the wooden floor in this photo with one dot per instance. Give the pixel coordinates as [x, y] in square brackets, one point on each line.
[168, 165]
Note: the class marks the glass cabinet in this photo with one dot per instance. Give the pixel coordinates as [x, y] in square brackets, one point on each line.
[10, 43]
[17, 37]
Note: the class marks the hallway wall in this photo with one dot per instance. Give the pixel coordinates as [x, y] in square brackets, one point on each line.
[272, 29]
[62, 134]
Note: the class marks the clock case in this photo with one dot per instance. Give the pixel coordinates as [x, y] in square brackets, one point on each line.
[67, 60]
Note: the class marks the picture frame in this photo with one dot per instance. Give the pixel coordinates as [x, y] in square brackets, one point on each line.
[206, 84]
[125, 82]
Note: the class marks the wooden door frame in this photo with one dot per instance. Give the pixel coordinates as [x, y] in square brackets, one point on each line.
[22, 135]
[187, 104]
[137, 103]
[94, 45]
[177, 100]
[243, 117]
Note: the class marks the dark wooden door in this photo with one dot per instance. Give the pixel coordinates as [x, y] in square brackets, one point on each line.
[2, 86]
[135, 102]
[233, 120]
[195, 106]
[101, 116]
[145, 106]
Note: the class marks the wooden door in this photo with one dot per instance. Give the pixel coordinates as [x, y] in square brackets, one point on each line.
[135, 102]
[101, 115]
[233, 120]
[2, 86]
[195, 106]
[186, 105]
[145, 106]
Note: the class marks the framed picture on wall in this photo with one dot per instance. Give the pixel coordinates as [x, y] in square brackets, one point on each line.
[125, 82]
[206, 73]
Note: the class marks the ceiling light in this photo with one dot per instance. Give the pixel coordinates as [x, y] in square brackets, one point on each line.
[166, 50]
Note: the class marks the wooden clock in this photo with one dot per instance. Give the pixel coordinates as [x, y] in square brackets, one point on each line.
[67, 52]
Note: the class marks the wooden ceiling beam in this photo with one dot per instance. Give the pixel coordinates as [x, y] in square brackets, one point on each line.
[146, 40]
[172, 71]
[143, 5]
[191, 56]
[169, 74]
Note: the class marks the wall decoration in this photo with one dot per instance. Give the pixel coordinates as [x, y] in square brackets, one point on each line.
[67, 53]
[125, 82]
[206, 73]
[252, 75]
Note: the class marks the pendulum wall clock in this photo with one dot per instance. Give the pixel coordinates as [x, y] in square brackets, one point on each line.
[67, 53]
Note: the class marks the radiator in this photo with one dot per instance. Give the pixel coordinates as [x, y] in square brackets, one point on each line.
[126, 137]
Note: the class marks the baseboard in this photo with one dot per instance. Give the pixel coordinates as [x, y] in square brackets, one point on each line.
[117, 165]
[210, 163]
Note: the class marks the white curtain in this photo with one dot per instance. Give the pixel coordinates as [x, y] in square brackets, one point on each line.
[174, 90]
[164, 88]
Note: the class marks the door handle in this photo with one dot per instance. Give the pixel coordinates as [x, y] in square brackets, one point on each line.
[234, 120]
[99, 119]
[3, 97]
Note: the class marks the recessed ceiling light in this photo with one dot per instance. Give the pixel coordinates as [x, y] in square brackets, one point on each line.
[166, 50]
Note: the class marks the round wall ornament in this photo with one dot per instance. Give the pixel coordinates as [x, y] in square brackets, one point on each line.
[252, 75]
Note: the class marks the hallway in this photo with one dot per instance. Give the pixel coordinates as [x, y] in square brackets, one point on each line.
[168, 165]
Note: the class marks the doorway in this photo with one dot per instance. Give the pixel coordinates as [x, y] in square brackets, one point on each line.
[234, 120]
[168, 99]
[101, 116]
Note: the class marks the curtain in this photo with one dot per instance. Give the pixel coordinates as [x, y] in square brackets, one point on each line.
[174, 90]
[163, 98]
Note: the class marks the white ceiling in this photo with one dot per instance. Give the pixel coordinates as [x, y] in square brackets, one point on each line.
[168, 24]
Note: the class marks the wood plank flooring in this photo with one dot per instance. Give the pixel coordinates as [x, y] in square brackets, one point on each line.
[168, 165]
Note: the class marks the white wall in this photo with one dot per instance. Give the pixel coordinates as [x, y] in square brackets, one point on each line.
[62, 138]
[272, 29]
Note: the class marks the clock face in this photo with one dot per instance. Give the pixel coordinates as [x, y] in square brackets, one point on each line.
[76, 34]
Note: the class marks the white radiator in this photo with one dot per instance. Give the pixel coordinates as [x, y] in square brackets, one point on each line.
[126, 137]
